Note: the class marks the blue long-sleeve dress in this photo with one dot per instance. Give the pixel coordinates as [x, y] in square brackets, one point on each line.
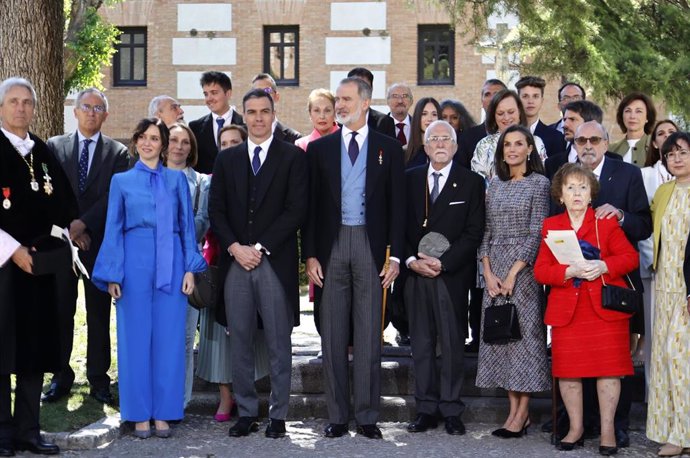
[152, 310]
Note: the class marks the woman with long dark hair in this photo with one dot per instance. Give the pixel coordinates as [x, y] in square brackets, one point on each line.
[426, 111]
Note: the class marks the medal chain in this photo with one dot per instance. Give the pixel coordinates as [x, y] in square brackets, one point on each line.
[29, 164]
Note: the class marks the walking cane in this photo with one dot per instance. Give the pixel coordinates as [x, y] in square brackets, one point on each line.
[386, 265]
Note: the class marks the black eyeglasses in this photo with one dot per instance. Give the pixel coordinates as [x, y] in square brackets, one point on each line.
[582, 141]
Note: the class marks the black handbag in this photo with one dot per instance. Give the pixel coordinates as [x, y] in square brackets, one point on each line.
[618, 298]
[501, 324]
[205, 289]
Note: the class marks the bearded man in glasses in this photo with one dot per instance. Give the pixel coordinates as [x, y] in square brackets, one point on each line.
[621, 196]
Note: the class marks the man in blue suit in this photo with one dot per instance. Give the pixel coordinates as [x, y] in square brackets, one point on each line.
[531, 92]
[622, 196]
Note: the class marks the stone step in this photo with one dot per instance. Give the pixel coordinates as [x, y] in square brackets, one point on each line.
[397, 378]
[402, 408]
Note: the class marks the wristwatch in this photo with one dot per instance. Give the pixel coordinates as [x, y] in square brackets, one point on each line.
[260, 247]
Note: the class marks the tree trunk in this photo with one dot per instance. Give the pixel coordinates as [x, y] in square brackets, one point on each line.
[31, 46]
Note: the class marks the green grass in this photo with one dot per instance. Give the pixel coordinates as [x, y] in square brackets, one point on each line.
[80, 409]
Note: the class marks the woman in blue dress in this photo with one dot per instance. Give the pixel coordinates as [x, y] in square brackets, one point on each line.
[146, 263]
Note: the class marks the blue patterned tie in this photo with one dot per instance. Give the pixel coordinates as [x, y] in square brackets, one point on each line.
[353, 148]
[256, 161]
[84, 165]
[434, 190]
[221, 122]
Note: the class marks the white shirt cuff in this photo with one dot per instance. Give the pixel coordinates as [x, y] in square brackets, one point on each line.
[8, 245]
[393, 258]
[409, 260]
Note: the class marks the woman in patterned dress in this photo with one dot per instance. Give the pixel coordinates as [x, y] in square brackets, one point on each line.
[668, 415]
[517, 202]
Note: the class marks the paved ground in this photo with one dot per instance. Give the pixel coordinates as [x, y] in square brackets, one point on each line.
[200, 436]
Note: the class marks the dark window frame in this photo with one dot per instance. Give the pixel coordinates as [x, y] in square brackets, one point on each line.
[117, 81]
[436, 30]
[268, 45]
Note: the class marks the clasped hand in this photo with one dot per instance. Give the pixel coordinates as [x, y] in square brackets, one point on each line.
[246, 256]
[497, 287]
[426, 266]
[588, 269]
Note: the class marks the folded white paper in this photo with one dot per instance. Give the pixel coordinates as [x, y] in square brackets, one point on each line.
[564, 246]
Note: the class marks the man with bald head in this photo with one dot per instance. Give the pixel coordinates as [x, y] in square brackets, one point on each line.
[167, 109]
[622, 196]
[442, 198]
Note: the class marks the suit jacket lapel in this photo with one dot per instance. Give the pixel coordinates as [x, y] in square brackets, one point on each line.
[374, 169]
[70, 157]
[209, 139]
[332, 164]
[267, 170]
[239, 167]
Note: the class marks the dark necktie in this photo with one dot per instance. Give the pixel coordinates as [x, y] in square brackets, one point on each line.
[401, 133]
[221, 122]
[256, 161]
[84, 165]
[353, 148]
[434, 190]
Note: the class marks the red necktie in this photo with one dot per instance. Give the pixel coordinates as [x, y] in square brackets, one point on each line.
[401, 133]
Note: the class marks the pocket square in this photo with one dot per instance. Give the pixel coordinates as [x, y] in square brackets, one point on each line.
[457, 202]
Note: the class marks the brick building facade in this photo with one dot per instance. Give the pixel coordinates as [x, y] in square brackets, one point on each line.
[183, 38]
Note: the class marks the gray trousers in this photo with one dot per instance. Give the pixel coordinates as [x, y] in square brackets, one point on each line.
[433, 317]
[352, 288]
[246, 293]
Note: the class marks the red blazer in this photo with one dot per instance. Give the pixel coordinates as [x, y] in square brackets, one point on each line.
[616, 251]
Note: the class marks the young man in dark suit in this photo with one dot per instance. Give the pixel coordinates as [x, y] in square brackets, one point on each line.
[217, 89]
[447, 199]
[257, 202]
[356, 210]
[375, 119]
[531, 92]
[266, 83]
[470, 137]
[89, 159]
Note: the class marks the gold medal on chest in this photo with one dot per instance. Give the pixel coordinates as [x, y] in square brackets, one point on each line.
[47, 185]
[6, 204]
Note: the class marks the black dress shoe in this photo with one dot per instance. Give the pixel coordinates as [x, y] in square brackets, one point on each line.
[335, 430]
[243, 427]
[455, 426]
[104, 396]
[422, 423]
[607, 451]
[6, 450]
[37, 446]
[275, 429]
[472, 347]
[54, 393]
[622, 438]
[371, 431]
[568, 446]
[403, 340]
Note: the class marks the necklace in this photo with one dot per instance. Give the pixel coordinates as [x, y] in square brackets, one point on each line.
[30, 165]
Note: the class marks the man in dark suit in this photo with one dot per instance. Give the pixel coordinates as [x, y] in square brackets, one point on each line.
[258, 200]
[217, 89]
[89, 159]
[568, 92]
[446, 199]
[470, 137]
[531, 92]
[356, 209]
[266, 83]
[575, 114]
[399, 98]
[375, 119]
[622, 196]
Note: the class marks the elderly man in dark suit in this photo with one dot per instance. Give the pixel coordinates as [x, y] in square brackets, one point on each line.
[375, 119]
[356, 209]
[531, 92]
[470, 137]
[622, 196]
[257, 202]
[217, 88]
[266, 83]
[442, 198]
[89, 159]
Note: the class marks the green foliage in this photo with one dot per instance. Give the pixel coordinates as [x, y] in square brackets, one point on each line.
[612, 46]
[92, 49]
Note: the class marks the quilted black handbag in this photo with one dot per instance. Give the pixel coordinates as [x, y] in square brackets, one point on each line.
[619, 298]
[501, 324]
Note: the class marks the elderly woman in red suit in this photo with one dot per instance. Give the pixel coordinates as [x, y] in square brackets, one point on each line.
[587, 340]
